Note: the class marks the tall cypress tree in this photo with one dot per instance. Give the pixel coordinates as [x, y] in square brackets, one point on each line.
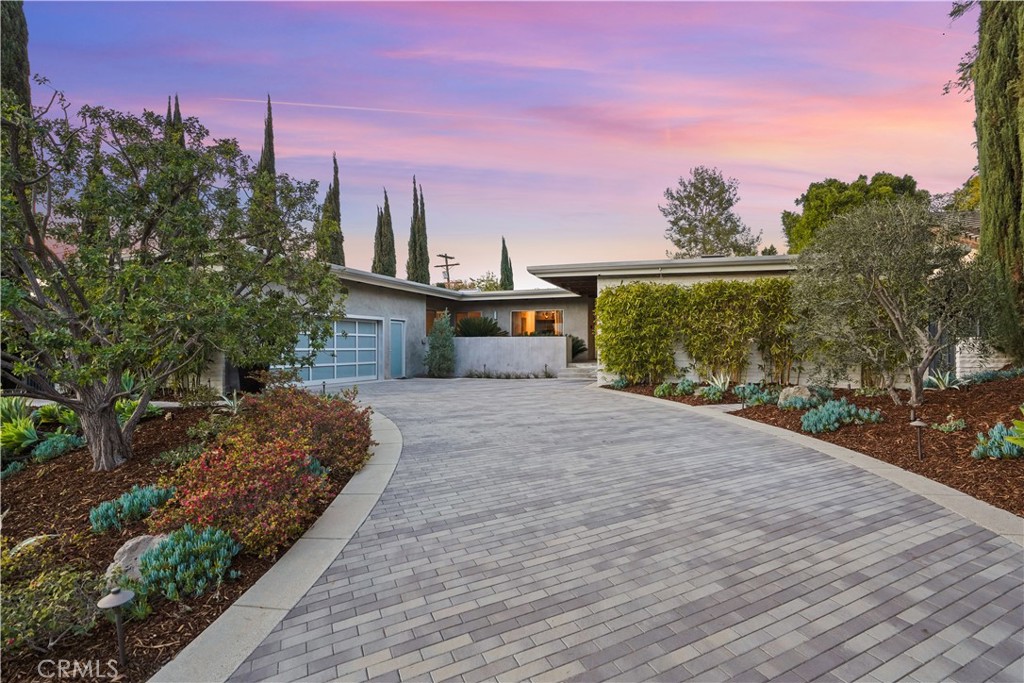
[384, 259]
[417, 264]
[506, 267]
[999, 104]
[263, 209]
[267, 163]
[14, 65]
[179, 127]
[169, 119]
[331, 217]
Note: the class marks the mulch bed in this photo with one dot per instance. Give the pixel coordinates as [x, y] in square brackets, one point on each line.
[947, 457]
[56, 497]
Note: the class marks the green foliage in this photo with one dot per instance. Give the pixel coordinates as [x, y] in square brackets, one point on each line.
[18, 434]
[830, 416]
[1016, 436]
[883, 288]
[188, 563]
[685, 387]
[756, 394]
[701, 218]
[440, 358]
[14, 63]
[620, 383]
[826, 200]
[56, 445]
[132, 506]
[999, 443]
[45, 598]
[712, 393]
[384, 260]
[176, 252]
[125, 408]
[664, 390]
[417, 266]
[770, 250]
[12, 469]
[176, 457]
[993, 375]
[638, 330]
[579, 347]
[869, 392]
[799, 403]
[481, 374]
[506, 268]
[479, 327]
[941, 381]
[952, 424]
[14, 408]
[332, 247]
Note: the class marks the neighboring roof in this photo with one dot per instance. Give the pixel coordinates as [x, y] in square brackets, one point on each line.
[388, 282]
[582, 277]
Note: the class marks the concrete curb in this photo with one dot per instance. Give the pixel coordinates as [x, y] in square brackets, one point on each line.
[1006, 524]
[224, 645]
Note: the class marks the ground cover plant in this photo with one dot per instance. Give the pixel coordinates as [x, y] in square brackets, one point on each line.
[192, 579]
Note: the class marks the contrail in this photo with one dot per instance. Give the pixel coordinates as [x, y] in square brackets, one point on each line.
[314, 105]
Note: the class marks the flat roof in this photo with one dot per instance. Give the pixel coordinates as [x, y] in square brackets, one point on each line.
[388, 282]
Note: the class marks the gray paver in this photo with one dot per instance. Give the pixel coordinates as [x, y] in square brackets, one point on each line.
[543, 530]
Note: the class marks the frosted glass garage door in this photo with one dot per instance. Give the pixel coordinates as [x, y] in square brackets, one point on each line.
[351, 354]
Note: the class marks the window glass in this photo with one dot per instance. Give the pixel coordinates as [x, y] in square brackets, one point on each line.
[367, 356]
[346, 326]
[539, 323]
[367, 370]
[348, 342]
[368, 328]
[323, 372]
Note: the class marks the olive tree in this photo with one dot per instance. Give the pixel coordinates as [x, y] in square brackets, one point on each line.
[131, 244]
[886, 285]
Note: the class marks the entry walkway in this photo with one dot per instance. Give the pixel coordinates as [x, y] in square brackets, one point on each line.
[538, 529]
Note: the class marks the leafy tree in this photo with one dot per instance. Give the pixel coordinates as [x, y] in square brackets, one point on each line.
[440, 358]
[968, 196]
[506, 268]
[142, 254]
[384, 260]
[488, 282]
[417, 266]
[829, 198]
[701, 218]
[770, 250]
[999, 105]
[334, 249]
[883, 286]
[14, 64]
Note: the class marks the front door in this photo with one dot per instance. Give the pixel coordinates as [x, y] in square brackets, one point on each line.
[397, 349]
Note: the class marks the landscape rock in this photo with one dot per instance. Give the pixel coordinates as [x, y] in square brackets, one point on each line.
[126, 559]
[794, 392]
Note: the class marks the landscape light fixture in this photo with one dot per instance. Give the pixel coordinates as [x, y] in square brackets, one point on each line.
[919, 425]
[115, 600]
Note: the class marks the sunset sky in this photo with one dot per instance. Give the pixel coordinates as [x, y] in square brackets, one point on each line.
[555, 125]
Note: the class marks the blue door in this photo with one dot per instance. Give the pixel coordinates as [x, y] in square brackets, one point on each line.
[397, 349]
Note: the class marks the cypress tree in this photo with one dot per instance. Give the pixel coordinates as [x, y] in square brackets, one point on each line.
[264, 191]
[179, 127]
[999, 106]
[267, 163]
[417, 264]
[169, 119]
[14, 65]
[506, 267]
[331, 218]
[384, 260]
[423, 258]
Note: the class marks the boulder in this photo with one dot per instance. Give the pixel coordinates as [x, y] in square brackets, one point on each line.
[794, 392]
[126, 559]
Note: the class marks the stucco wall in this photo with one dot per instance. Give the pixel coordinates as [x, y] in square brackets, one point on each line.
[383, 304]
[575, 313]
[520, 355]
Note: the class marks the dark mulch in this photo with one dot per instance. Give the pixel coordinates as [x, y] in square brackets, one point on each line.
[947, 457]
[645, 390]
[56, 497]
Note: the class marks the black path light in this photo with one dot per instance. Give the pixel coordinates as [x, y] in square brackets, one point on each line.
[918, 424]
[115, 600]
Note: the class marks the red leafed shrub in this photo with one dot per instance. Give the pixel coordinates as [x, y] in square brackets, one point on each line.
[261, 491]
[335, 431]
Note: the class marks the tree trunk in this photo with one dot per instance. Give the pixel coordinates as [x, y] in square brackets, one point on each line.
[107, 444]
[916, 387]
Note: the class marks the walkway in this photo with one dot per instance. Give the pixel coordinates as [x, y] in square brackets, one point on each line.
[543, 530]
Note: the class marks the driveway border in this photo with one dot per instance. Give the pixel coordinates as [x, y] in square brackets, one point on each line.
[1006, 524]
[224, 645]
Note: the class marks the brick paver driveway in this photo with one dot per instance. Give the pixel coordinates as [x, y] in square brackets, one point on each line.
[542, 530]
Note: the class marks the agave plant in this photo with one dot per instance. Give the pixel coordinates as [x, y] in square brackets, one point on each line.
[18, 434]
[942, 381]
[13, 408]
[720, 382]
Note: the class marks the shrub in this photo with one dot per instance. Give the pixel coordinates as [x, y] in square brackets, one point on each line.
[1017, 433]
[130, 507]
[756, 394]
[176, 457]
[479, 327]
[993, 375]
[126, 407]
[45, 599]
[996, 444]
[440, 358]
[18, 434]
[951, 425]
[638, 330]
[56, 445]
[799, 403]
[685, 387]
[579, 347]
[941, 381]
[188, 563]
[333, 429]
[48, 413]
[12, 469]
[833, 414]
[261, 491]
[13, 408]
[665, 389]
[620, 383]
[719, 319]
[823, 393]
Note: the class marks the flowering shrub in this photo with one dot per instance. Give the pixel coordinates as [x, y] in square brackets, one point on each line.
[332, 429]
[262, 491]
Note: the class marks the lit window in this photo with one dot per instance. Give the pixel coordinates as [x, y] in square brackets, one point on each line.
[536, 323]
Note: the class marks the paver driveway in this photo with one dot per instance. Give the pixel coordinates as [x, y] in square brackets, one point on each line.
[543, 530]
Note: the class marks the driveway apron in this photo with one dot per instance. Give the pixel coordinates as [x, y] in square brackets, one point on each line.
[541, 530]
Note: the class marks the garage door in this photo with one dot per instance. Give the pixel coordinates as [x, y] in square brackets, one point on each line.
[351, 354]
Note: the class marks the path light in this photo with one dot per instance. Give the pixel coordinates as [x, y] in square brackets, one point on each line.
[919, 425]
[115, 600]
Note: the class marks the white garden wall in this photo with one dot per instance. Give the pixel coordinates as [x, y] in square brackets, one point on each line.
[517, 355]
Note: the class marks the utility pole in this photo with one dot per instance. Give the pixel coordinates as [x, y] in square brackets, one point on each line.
[447, 267]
